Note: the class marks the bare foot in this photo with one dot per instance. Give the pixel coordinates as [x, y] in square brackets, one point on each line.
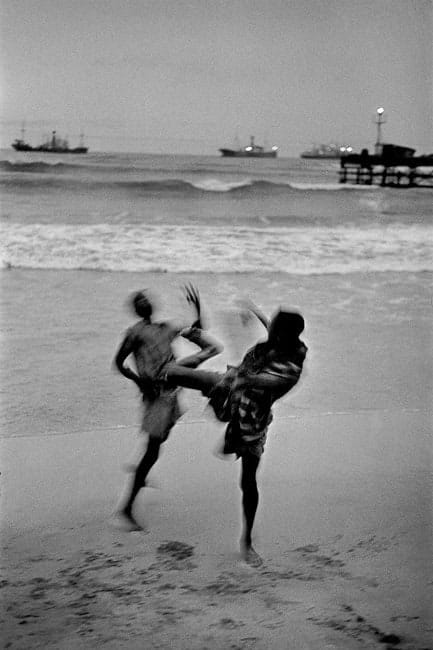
[250, 556]
[127, 521]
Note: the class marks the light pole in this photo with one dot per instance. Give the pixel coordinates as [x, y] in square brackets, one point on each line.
[380, 119]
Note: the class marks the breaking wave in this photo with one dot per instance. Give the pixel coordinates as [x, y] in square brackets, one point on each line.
[191, 248]
[36, 166]
[37, 173]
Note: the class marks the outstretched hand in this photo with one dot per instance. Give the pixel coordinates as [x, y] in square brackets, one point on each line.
[193, 298]
[249, 311]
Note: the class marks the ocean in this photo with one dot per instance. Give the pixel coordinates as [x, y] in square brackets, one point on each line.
[182, 214]
[347, 464]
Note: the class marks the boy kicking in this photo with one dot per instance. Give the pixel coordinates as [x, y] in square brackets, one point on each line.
[244, 396]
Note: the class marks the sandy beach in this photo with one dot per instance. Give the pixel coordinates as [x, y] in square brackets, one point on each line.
[344, 521]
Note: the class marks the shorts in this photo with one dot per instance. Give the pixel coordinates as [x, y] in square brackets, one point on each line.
[241, 443]
[160, 415]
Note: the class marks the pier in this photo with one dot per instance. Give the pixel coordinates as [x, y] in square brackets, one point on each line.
[393, 166]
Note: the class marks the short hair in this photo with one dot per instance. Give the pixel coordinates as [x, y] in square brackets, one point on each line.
[286, 325]
[141, 304]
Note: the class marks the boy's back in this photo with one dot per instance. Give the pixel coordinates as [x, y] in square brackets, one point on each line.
[151, 346]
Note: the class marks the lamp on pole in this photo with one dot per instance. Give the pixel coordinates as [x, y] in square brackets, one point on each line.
[380, 119]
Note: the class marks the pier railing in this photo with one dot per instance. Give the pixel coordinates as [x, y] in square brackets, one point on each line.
[387, 171]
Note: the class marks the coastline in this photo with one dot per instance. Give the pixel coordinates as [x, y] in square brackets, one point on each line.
[344, 522]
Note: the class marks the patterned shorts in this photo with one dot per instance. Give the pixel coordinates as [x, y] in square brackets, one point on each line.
[241, 443]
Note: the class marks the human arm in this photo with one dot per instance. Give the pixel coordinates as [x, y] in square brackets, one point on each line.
[126, 348]
[193, 298]
[278, 376]
[264, 380]
[209, 347]
[249, 309]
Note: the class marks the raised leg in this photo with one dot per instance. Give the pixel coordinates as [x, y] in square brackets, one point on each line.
[202, 380]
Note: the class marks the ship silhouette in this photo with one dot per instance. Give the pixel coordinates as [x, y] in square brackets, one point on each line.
[51, 145]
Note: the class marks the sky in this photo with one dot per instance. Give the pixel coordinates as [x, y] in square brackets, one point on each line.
[190, 76]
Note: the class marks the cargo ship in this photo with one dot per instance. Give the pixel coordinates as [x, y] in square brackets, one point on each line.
[250, 151]
[51, 145]
[327, 151]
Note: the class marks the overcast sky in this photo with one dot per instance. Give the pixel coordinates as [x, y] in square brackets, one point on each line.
[188, 76]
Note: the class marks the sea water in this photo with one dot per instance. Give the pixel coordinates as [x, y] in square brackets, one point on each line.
[356, 261]
[182, 214]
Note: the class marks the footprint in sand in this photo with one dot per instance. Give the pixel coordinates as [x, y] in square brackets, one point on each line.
[358, 627]
[229, 623]
[175, 555]
[176, 550]
[309, 548]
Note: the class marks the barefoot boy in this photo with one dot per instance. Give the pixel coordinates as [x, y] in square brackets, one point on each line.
[150, 345]
[244, 396]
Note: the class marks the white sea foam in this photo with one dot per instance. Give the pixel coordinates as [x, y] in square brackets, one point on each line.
[186, 248]
[218, 185]
[331, 187]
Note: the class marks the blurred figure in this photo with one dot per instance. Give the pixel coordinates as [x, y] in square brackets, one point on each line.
[150, 345]
[243, 397]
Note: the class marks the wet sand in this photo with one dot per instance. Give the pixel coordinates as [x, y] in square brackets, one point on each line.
[344, 521]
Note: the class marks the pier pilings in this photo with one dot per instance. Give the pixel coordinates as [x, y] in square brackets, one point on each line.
[365, 169]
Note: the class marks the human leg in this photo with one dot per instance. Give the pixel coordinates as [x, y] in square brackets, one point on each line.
[216, 386]
[202, 380]
[149, 459]
[250, 500]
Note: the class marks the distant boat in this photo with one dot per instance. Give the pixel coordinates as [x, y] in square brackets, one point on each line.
[251, 151]
[51, 145]
[324, 151]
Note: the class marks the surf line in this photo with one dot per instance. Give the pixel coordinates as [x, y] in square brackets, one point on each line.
[295, 416]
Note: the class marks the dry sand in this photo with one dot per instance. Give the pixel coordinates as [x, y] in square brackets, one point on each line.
[344, 521]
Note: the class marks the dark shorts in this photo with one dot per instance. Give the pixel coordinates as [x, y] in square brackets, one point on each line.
[242, 443]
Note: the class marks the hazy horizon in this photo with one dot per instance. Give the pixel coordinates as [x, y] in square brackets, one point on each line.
[192, 76]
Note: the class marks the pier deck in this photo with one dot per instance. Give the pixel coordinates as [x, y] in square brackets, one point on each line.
[395, 167]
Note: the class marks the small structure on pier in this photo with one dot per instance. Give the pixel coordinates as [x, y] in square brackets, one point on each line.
[391, 165]
[396, 166]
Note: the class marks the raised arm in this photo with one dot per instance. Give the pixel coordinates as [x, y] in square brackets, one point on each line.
[277, 377]
[250, 309]
[209, 347]
[193, 298]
